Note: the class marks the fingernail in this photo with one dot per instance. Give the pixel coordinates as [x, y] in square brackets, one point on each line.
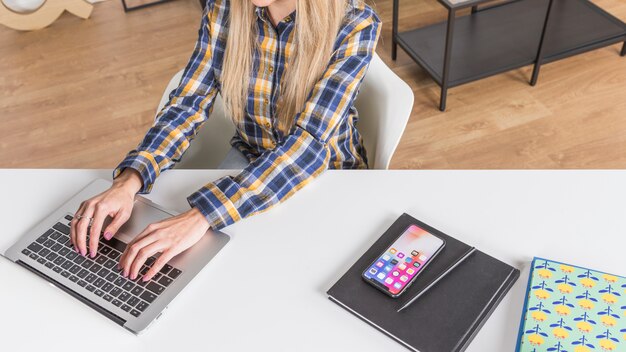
[125, 273]
[108, 235]
[83, 252]
[145, 278]
[93, 254]
[133, 277]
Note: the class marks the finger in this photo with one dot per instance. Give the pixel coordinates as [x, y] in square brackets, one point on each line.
[96, 225]
[165, 257]
[119, 219]
[82, 226]
[73, 224]
[143, 239]
[143, 255]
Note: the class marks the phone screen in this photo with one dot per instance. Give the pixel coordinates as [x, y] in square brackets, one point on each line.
[395, 269]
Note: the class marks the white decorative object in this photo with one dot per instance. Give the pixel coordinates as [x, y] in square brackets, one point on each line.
[26, 15]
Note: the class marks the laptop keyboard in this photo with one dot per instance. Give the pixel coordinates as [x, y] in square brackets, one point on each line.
[100, 276]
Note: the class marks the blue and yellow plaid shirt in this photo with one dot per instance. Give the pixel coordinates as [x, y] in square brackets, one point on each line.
[323, 136]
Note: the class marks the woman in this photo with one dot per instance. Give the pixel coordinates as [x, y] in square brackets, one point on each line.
[302, 62]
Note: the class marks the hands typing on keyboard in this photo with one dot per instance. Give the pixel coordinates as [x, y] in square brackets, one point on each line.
[100, 275]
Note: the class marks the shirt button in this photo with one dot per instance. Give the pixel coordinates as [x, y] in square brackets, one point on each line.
[271, 69]
[266, 101]
[268, 125]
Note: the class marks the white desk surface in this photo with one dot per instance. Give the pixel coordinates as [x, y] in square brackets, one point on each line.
[266, 290]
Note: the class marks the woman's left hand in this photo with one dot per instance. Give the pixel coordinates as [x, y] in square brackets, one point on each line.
[168, 237]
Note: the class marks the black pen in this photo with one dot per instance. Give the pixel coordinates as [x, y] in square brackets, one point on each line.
[461, 260]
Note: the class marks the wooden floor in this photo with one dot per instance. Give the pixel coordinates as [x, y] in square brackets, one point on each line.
[80, 94]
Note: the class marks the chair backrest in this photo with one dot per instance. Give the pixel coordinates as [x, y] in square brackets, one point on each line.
[384, 104]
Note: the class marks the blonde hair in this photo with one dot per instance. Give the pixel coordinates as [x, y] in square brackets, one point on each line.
[316, 28]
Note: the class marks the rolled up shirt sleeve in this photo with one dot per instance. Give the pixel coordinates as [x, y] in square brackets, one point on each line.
[177, 123]
[303, 154]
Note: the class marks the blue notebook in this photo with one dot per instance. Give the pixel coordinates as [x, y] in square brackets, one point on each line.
[572, 309]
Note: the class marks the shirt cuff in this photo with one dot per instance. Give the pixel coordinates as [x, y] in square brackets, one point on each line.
[215, 205]
[145, 164]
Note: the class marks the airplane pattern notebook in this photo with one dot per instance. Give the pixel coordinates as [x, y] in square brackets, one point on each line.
[448, 316]
[572, 309]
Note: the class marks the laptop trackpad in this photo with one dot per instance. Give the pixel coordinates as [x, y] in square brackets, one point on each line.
[143, 215]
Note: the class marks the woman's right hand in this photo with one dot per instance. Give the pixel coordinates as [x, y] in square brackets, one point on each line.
[116, 202]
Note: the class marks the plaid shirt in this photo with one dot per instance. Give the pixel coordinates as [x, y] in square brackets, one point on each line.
[324, 134]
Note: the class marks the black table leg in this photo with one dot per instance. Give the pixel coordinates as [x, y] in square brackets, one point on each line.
[623, 53]
[446, 59]
[539, 57]
[394, 30]
[474, 9]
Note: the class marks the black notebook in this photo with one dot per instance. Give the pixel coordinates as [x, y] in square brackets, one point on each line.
[448, 316]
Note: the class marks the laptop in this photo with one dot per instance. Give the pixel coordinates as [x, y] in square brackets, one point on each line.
[46, 251]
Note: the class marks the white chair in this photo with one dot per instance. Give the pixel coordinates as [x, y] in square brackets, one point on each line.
[384, 105]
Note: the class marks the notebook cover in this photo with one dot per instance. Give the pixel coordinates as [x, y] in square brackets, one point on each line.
[448, 316]
[574, 309]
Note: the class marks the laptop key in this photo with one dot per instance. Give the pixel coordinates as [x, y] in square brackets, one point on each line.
[65, 274]
[48, 243]
[41, 260]
[61, 228]
[86, 264]
[135, 313]
[95, 268]
[113, 254]
[57, 269]
[44, 252]
[107, 286]
[124, 296]
[78, 259]
[101, 259]
[111, 277]
[90, 288]
[107, 298]
[125, 307]
[67, 265]
[105, 250]
[74, 269]
[166, 268]
[98, 293]
[115, 291]
[150, 261]
[109, 264]
[52, 256]
[67, 253]
[55, 235]
[33, 256]
[99, 282]
[35, 247]
[73, 278]
[156, 288]
[142, 306]
[49, 265]
[165, 281]
[56, 247]
[25, 251]
[148, 296]
[68, 217]
[82, 273]
[116, 303]
[120, 281]
[132, 301]
[59, 260]
[90, 278]
[82, 283]
[103, 272]
[137, 291]
[128, 286]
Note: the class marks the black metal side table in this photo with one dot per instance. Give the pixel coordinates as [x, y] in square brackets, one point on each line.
[493, 39]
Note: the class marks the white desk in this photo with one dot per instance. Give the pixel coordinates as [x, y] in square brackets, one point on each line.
[281, 305]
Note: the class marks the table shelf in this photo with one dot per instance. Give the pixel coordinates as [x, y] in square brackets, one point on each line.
[507, 36]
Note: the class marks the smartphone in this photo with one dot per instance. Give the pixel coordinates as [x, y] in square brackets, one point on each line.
[398, 266]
